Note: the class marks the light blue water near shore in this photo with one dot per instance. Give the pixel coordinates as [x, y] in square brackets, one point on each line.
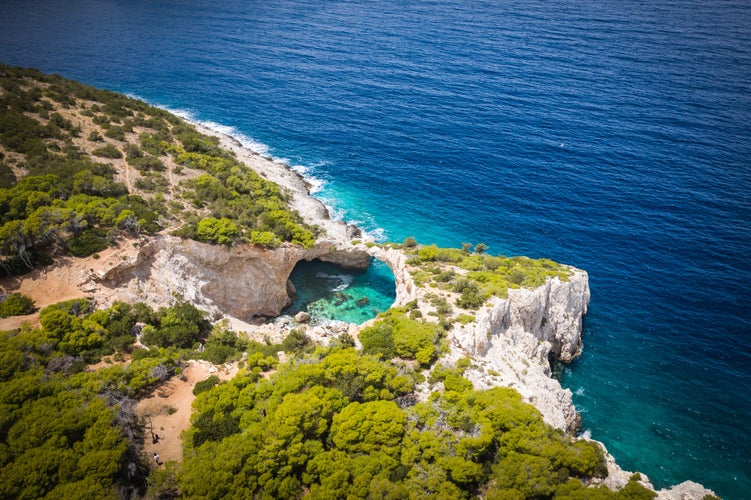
[614, 136]
[329, 292]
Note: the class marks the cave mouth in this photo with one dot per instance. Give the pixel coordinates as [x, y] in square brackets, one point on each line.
[330, 292]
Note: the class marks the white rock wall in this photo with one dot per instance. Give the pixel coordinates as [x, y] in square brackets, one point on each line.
[512, 339]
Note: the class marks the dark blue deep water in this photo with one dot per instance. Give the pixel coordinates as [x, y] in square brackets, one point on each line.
[611, 135]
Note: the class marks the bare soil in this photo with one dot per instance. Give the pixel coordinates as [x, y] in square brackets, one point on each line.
[167, 410]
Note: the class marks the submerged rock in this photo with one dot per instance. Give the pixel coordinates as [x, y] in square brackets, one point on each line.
[363, 302]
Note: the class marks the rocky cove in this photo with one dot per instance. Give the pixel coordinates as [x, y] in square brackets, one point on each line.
[511, 341]
[508, 340]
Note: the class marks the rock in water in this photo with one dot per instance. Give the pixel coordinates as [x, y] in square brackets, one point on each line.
[363, 302]
[302, 317]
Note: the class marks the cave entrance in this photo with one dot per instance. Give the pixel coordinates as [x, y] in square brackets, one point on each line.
[330, 292]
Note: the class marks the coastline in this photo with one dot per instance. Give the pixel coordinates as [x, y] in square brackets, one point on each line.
[312, 209]
[340, 232]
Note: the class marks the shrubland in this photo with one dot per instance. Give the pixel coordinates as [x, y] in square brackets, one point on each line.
[137, 170]
[476, 276]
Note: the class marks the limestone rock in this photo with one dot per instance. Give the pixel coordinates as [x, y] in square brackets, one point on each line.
[244, 281]
[513, 338]
[687, 490]
[302, 317]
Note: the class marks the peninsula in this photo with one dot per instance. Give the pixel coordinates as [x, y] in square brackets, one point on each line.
[147, 264]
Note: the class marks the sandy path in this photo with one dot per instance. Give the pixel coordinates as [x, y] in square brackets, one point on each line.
[167, 410]
[128, 183]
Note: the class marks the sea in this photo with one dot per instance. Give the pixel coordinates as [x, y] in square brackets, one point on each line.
[612, 135]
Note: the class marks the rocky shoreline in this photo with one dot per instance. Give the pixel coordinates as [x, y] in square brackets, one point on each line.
[510, 341]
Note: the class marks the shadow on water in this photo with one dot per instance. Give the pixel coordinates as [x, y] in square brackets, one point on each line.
[330, 292]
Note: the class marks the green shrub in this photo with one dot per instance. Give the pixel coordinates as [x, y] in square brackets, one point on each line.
[297, 342]
[108, 151]
[222, 231]
[265, 239]
[88, 242]
[465, 318]
[95, 136]
[16, 304]
[205, 385]
[115, 132]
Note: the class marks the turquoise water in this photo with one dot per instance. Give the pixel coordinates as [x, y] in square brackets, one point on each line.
[329, 292]
[608, 134]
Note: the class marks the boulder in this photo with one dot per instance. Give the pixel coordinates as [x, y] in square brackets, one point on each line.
[302, 317]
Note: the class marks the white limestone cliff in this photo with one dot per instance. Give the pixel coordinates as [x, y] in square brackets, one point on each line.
[513, 339]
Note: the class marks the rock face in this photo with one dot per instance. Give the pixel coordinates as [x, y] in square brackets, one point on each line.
[513, 340]
[243, 281]
[406, 290]
[687, 490]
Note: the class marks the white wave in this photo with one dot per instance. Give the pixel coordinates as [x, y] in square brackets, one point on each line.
[246, 141]
[317, 185]
[335, 212]
[378, 234]
[344, 280]
[580, 391]
[587, 434]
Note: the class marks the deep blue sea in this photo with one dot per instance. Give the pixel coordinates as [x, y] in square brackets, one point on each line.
[611, 135]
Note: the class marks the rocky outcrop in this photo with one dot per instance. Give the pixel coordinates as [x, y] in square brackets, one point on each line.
[687, 490]
[513, 339]
[244, 281]
[406, 290]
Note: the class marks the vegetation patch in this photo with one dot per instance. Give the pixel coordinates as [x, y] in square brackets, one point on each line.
[68, 194]
[16, 304]
[476, 276]
[396, 334]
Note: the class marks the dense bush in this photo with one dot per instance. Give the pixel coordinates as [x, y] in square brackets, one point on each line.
[222, 231]
[181, 325]
[108, 151]
[16, 304]
[330, 425]
[396, 334]
[88, 242]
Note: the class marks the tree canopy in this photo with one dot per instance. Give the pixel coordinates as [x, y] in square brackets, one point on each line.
[337, 424]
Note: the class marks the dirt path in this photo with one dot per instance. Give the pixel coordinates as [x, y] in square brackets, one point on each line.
[126, 170]
[168, 409]
[44, 286]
